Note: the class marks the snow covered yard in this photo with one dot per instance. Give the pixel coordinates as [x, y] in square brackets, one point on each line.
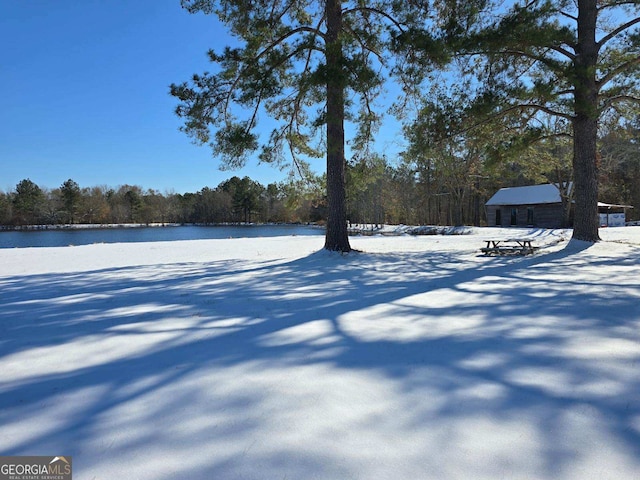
[271, 359]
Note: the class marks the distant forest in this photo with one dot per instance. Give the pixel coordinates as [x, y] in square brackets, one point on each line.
[415, 190]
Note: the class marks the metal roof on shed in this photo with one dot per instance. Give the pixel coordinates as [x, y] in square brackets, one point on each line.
[530, 195]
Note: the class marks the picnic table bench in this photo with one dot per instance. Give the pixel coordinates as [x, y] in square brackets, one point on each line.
[510, 246]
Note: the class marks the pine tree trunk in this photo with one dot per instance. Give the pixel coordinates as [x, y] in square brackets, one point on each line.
[337, 237]
[585, 126]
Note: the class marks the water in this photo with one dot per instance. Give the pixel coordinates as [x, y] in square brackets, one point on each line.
[86, 236]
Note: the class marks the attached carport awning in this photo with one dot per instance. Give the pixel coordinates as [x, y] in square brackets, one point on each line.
[611, 205]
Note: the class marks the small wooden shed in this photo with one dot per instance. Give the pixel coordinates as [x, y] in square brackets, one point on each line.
[542, 206]
[530, 206]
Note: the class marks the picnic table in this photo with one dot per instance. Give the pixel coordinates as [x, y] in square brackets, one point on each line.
[509, 246]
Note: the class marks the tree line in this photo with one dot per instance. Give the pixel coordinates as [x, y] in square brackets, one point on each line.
[419, 188]
[237, 200]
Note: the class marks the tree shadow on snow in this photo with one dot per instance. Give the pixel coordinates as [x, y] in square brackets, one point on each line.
[530, 330]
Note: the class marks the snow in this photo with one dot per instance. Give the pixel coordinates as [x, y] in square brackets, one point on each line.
[270, 358]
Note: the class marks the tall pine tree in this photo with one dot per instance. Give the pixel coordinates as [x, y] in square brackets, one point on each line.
[294, 56]
[576, 60]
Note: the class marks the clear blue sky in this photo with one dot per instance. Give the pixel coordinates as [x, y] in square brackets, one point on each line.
[84, 94]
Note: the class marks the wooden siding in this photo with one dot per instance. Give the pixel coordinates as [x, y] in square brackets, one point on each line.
[544, 215]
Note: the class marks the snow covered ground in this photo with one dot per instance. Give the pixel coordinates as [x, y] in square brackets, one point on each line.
[416, 358]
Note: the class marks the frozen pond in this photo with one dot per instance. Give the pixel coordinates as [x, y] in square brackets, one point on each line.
[60, 237]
